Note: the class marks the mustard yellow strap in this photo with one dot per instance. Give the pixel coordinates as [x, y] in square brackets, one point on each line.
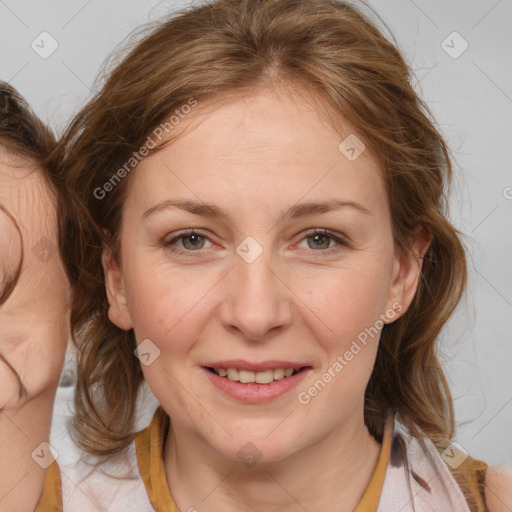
[370, 500]
[149, 447]
[51, 497]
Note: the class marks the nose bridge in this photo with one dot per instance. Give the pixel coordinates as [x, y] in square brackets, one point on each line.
[257, 300]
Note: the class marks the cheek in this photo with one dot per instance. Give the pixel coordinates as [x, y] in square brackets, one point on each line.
[335, 302]
[345, 329]
[163, 303]
[346, 302]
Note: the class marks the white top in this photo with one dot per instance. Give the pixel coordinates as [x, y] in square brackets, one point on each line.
[86, 491]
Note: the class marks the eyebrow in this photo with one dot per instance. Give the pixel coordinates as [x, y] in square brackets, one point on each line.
[297, 211]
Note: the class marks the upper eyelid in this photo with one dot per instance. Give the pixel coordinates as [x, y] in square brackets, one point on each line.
[185, 233]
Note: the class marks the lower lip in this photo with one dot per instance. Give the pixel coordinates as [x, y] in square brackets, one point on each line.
[256, 393]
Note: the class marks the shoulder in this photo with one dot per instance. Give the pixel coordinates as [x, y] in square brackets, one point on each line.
[90, 483]
[498, 489]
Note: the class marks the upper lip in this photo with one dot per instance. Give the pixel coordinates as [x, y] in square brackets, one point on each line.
[241, 364]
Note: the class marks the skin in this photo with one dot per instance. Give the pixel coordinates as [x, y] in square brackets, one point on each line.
[255, 157]
[498, 489]
[33, 330]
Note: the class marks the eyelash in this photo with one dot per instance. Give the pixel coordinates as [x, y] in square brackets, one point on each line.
[341, 241]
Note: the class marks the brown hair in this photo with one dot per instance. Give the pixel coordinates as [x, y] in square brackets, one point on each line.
[21, 131]
[212, 53]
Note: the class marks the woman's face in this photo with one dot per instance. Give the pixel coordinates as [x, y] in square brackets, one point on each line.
[34, 322]
[255, 289]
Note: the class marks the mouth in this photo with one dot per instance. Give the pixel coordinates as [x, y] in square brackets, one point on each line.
[255, 382]
[245, 376]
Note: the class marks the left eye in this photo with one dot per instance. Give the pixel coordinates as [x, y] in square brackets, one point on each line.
[320, 236]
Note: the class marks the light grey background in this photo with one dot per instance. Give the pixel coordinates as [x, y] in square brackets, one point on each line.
[471, 98]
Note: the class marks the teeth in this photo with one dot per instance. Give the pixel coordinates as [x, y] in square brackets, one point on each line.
[247, 376]
[232, 374]
[278, 374]
[265, 377]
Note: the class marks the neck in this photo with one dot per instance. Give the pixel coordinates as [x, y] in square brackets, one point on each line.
[334, 473]
[23, 430]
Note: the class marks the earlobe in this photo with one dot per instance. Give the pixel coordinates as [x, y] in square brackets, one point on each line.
[407, 272]
[118, 312]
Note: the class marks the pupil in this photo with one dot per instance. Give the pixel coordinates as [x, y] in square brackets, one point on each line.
[193, 239]
[318, 238]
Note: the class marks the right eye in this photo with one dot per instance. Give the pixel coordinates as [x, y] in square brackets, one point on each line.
[192, 241]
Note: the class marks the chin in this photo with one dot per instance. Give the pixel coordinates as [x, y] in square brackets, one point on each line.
[266, 445]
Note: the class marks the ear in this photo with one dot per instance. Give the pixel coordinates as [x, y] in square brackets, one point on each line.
[407, 274]
[118, 312]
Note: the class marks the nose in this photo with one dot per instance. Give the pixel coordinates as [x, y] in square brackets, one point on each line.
[257, 300]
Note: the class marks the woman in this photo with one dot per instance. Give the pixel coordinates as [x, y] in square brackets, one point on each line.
[34, 309]
[230, 145]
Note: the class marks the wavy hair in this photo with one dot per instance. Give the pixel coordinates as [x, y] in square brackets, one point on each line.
[214, 52]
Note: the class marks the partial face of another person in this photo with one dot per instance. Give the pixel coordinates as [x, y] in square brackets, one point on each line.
[258, 288]
[33, 320]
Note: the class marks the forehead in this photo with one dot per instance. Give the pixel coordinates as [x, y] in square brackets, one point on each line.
[18, 171]
[29, 233]
[25, 192]
[270, 147]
